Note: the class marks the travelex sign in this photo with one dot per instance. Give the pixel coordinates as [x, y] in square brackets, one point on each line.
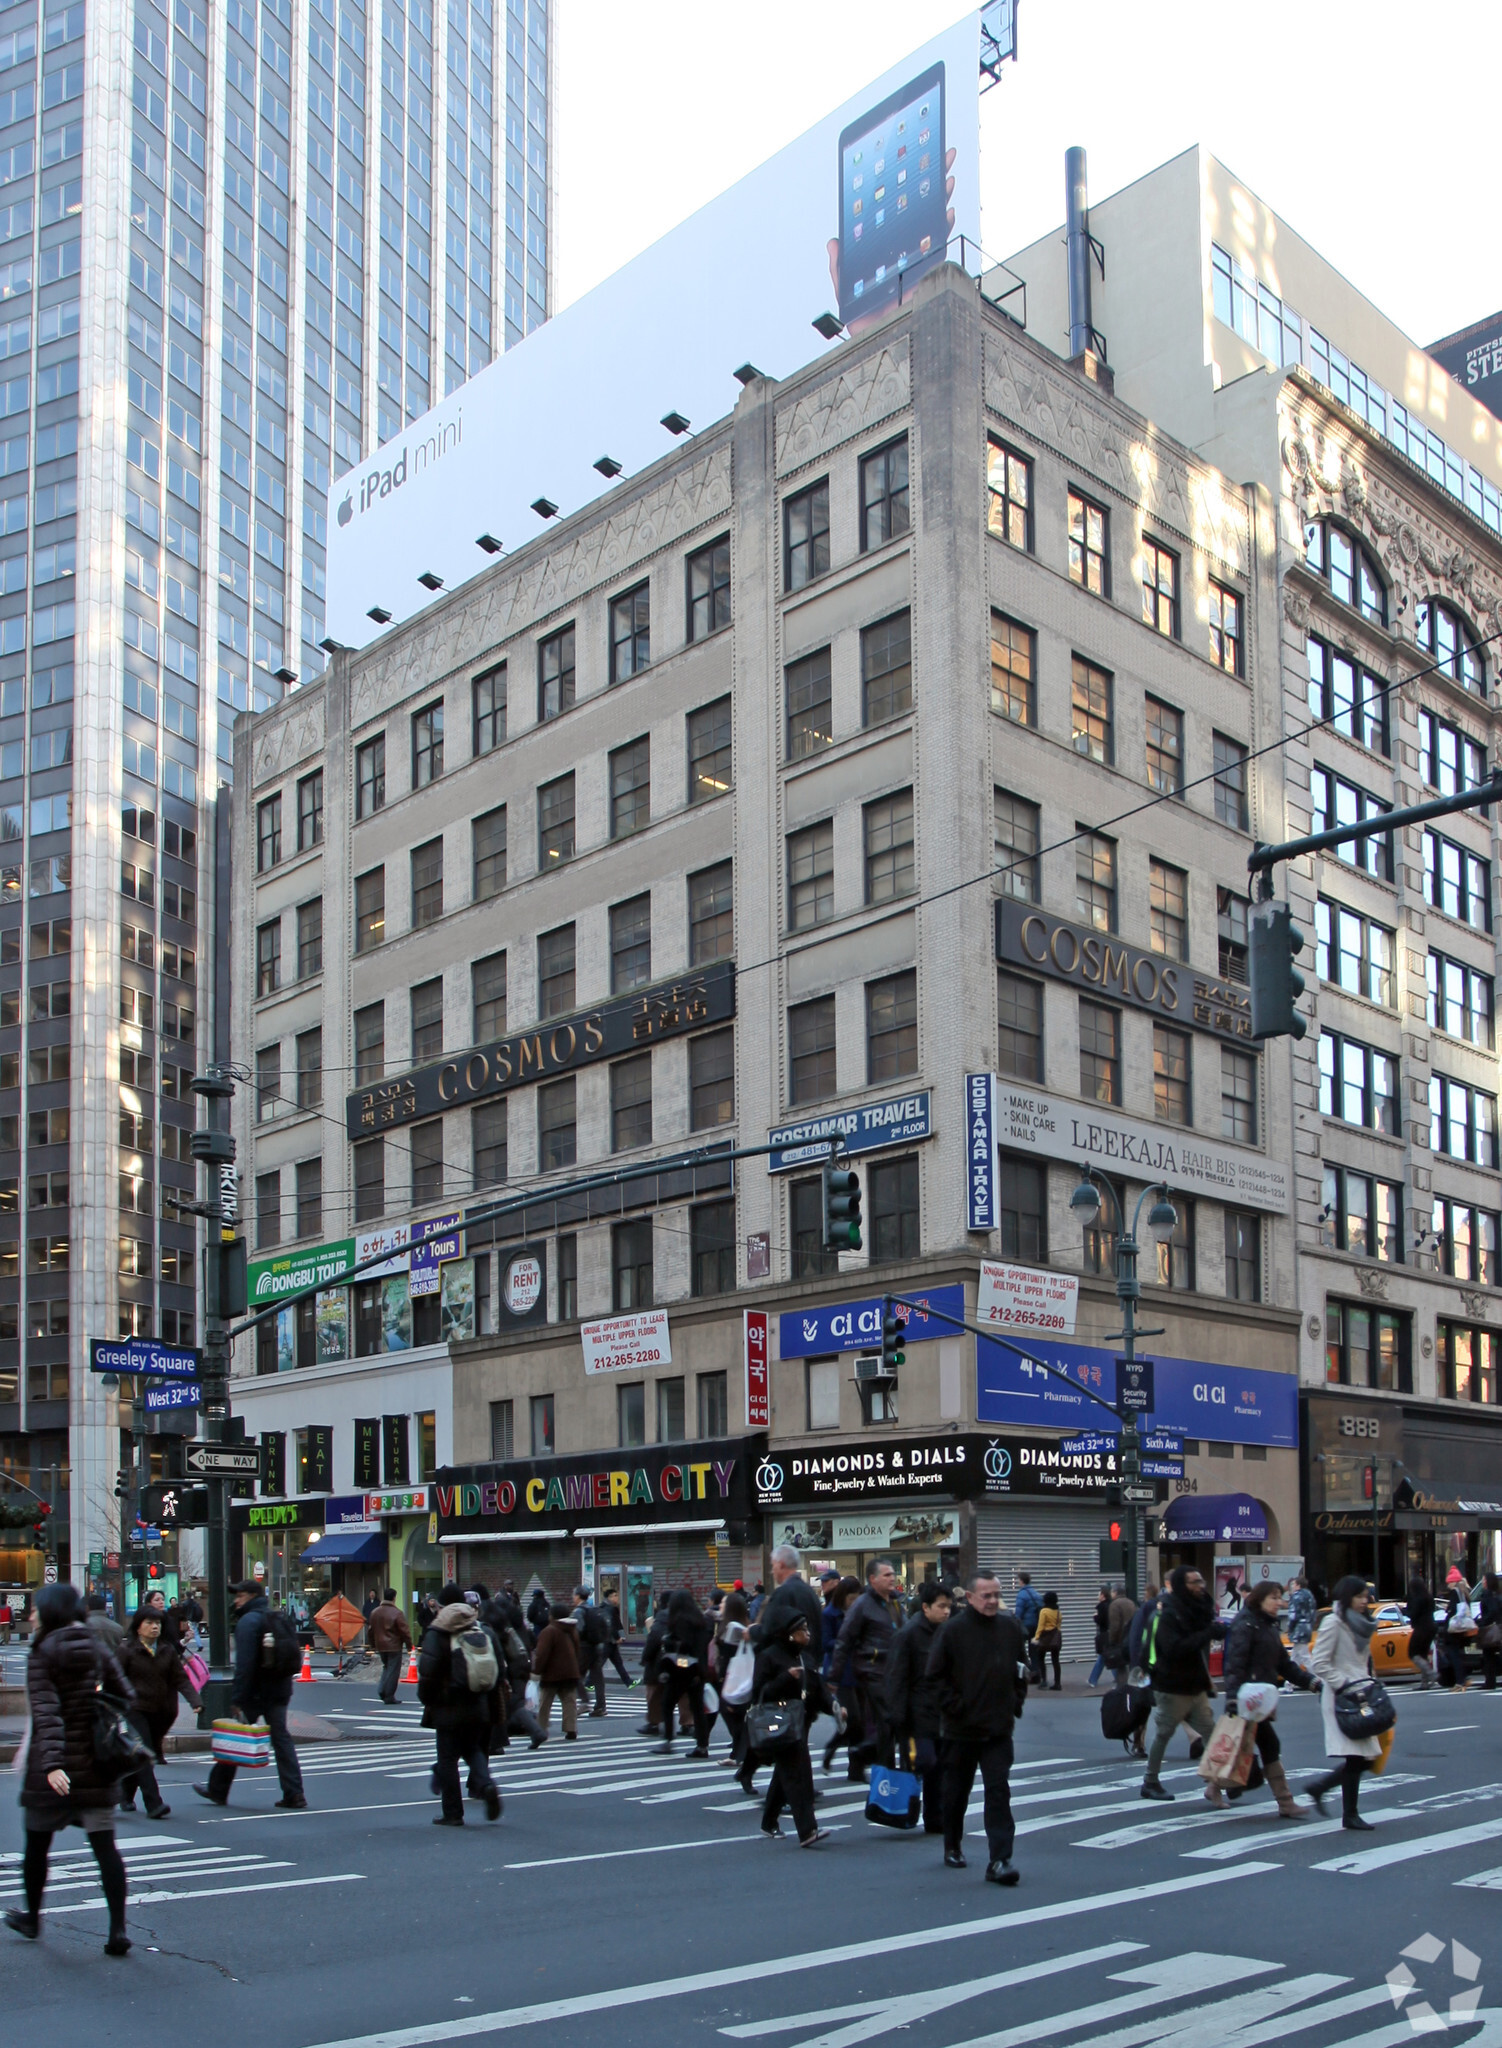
[856, 1325]
[1228, 1404]
[867, 1129]
[562, 1045]
[681, 1482]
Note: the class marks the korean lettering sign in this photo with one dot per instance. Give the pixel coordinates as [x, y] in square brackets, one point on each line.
[758, 1383]
[856, 1325]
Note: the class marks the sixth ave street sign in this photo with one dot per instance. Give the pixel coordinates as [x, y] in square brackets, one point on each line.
[223, 1461]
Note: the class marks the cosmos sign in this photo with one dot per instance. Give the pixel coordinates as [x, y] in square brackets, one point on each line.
[1099, 964]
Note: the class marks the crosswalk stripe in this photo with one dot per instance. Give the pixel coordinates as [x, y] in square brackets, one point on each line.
[1180, 1977]
[1365, 1860]
[1483, 1881]
[228, 1891]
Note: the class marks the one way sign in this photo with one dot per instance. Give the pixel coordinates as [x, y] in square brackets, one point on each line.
[222, 1461]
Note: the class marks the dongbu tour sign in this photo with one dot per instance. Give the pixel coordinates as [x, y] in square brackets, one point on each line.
[560, 1046]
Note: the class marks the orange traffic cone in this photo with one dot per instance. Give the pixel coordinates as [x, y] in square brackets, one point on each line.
[305, 1676]
[411, 1672]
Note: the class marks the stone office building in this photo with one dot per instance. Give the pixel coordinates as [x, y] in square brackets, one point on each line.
[896, 730]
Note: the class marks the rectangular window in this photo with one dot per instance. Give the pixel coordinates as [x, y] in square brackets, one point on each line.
[711, 1079]
[884, 495]
[541, 1419]
[555, 674]
[890, 867]
[1231, 913]
[1457, 882]
[711, 914]
[488, 701]
[487, 984]
[1088, 529]
[427, 883]
[310, 1068]
[887, 668]
[1462, 1121]
[630, 788]
[712, 1248]
[891, 1028]
[811, 1049]
[489, 851]
[1176, 1255]
[1355, 953]
[427, 1161]
[269, 958]
[1369, 1348]
[892, 1189]
[809, 708]
[1448, 760]
[1171, 1098]
[427, 1020]
[631, 1103]
[713, 1389]
[631, 1415]
[1168, 910]
[370, 1044]
[1336, 802]
[1022, 1209]
[370, 777]
[1358, 1084]
[1231, 787]
[631, 945]
[630, 633]
[1160, 589]
[1346, 696]
[709, 751]
[1100, 1052]
[1095, 880]
[1090, 701]
[1019, 1006]
[1460, 1000]
[1238, 1096]
[805, 541]
[427, 745]
[557, 1127]
[1468, 1359]
[488, 1134]
[1165, 748]
[1009, 496]
[822, 1384]
[806, 1227]
[670, 1418]
[310, 1198]
[1017, 835]
[631, 1265]
[555, 823]
[310, 811]
[568, 1277]
[370, 1180]
[1362, 1215]
[1467, 1241]
[309, 938]
[1243, 1255]
[709, 589]
[502, 1431]
[555, 972]
[268, 833]
[268, 1210]
[268, 1082]
[370, 910]
[1013, 670]
[810, 876]
[1225, 629]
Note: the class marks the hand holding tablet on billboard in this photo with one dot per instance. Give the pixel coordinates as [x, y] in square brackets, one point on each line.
[857, 323]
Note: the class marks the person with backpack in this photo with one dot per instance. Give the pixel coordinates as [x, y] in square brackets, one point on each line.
[594, 1634]
[268, 1657]
[1176, 1654]
[459, 1682]
[1026, 1608]
[539, 1612]
[502, 1615]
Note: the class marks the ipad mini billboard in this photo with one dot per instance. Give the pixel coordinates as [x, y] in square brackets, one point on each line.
[842, 220]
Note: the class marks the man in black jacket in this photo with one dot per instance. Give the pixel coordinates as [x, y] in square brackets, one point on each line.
[791, 1592]
[858, 1667]
[913, 1701]
[1175, 1650]
[465, 1721]
[594, 1633]
[258, 1695]
[977, 1667]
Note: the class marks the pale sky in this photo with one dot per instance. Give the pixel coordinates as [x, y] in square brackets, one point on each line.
[1367, 124]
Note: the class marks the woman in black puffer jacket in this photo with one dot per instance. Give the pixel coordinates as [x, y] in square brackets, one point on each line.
[64, 1785]
[1256, 1654]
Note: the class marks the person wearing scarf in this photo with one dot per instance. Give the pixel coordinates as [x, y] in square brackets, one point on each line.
[1342, 1656]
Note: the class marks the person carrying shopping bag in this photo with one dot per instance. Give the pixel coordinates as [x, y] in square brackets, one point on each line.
[1256, 1661]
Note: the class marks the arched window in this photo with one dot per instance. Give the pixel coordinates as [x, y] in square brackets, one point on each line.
[1447, 638]
[1347, 568]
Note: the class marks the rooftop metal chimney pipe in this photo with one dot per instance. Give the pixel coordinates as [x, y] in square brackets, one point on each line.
[1077, 244]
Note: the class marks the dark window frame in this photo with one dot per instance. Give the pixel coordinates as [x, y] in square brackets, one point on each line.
[892, 500]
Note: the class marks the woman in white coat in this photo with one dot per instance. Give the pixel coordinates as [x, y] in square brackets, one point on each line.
[1341, 1654]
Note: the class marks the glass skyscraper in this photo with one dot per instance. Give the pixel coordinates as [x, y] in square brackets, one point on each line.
[239, 248]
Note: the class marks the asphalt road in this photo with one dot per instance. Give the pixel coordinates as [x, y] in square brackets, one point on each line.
[624, 1897]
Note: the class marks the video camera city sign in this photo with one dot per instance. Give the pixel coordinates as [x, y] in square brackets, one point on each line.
[693, 1482]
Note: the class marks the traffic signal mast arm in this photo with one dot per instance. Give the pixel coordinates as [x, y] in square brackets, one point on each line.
[925, 1308]
[1263, 859]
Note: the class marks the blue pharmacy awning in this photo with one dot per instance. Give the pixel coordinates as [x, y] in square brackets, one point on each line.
[349, 1546]
[1215, 1518]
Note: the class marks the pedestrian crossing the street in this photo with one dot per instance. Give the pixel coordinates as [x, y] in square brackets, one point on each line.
[160, 1868]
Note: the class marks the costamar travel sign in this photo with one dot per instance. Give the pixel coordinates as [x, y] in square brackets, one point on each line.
[560, 1046]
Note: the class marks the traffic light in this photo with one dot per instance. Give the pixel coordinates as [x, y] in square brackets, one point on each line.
[125, 1480]
[1276, 982]
[225, 1293]
[842, 1209]
[892, 1326]
[1113, 1549]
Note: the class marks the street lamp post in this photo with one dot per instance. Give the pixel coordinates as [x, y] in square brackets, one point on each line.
[1162, 1221]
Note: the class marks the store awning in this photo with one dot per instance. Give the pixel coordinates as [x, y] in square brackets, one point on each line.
[1215, 1518]
[348, 1546]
